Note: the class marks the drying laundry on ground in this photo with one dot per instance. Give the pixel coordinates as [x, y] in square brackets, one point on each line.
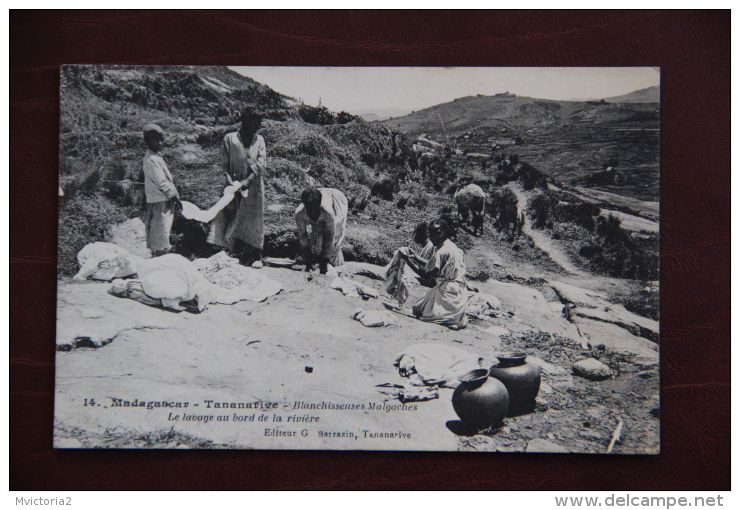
[105, 261]
[373, 318]
[353, 289]
[171, 279]
[406, 393]
[431, 363]
[237, 281]
[480, 304]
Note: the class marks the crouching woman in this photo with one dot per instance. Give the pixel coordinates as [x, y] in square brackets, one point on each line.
[446, 303]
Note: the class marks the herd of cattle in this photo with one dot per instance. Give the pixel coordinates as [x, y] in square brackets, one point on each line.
[471, 208]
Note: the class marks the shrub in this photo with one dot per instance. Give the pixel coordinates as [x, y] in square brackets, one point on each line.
[531, 178]
[316, 115]
[86, 183]
[420, 233]
[582, 214]
[85, 218]
[610, 229]
[420, 199]
[384, 188]
[358, 201]
[402, 201]
[345, 118]
[590, 251]
[541, 209]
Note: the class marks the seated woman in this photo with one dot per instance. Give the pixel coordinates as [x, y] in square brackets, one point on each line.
[446, 303]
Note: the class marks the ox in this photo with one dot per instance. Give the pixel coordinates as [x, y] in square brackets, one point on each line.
[471, 201]
[511, 215]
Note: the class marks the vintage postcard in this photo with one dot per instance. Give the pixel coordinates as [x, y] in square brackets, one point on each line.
[441, 259]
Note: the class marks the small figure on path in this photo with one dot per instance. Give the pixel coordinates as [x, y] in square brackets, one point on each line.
[325, 211]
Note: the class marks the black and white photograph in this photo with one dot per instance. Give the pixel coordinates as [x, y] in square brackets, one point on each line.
[359, 258]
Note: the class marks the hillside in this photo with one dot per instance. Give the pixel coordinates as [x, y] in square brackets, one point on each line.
[647, 95]
[567, 140]
[103, 110]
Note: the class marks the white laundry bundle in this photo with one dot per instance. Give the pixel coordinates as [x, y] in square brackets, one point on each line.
[373, 318]
[173, 279]
[105, 261]
[433, 363]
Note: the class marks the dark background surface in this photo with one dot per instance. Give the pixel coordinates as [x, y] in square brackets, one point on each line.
[691, 48]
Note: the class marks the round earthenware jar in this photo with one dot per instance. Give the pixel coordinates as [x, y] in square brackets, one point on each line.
[480, 401]
[522, 381]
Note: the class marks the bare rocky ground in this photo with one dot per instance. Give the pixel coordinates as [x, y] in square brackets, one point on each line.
[302, 345]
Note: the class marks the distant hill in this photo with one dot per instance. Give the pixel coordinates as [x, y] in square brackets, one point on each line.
[567, 140]
[383, 113]
[648, 95]
[508, 113]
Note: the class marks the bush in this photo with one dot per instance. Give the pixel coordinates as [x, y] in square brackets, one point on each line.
[384, 188]
[86, 182]
[85, 218]
[531, 178]
[626, 259]
[590, 251]
[420, 233]
[402, 201]
[610, 229]
[582, 214]
[316, 115]
[541, 209]
[345, 118]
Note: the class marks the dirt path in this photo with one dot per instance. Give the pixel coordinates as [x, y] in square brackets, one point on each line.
[542, 241]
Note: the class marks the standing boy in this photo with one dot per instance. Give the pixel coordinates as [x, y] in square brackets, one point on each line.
[161, 195]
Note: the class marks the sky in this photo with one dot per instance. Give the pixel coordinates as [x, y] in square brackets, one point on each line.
[363, 89]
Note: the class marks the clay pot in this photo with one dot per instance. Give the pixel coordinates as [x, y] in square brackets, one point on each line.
[522, 381]
[480, 401]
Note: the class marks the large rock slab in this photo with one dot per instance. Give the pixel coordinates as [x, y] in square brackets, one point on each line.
[616, 338]
[579, 297]
[529, 308]
[619, 316]
[87, 316]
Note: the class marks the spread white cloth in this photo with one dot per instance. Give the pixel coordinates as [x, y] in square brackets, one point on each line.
[480, 304]
[173, 279]
[105, 261]
[435, 363]
[237, 283]
[193, 212]
[373, 318]
[353, 289]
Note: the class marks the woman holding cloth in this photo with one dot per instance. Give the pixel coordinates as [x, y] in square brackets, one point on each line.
[240, 226]
[446, 303]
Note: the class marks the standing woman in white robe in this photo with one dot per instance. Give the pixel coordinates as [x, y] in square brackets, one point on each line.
[239, 227]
